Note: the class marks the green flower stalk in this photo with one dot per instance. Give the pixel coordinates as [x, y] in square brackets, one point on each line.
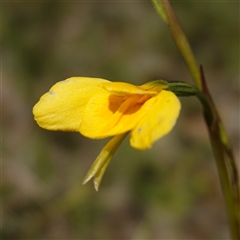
[166, 12]
[219, 139]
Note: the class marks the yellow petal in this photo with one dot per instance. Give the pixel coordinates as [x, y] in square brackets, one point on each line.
[107, 115]
[157, 122]
[155, 86]
[99, 166]
[123, 89]
[62, 107]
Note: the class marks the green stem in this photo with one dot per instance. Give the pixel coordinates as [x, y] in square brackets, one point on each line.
[221, 148]
[229, 183]
[225, 162]
[164, 9]
[219, 139]
[182, 89]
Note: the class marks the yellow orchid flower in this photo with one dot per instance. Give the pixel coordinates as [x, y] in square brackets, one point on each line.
[98, 108]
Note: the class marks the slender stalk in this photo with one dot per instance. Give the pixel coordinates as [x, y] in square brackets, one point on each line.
[165, 10]
[219, 139]
[227, 169]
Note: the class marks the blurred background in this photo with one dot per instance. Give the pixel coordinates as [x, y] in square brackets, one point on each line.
[171, 191]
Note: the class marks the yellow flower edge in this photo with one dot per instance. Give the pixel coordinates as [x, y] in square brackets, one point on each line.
[98, 108]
